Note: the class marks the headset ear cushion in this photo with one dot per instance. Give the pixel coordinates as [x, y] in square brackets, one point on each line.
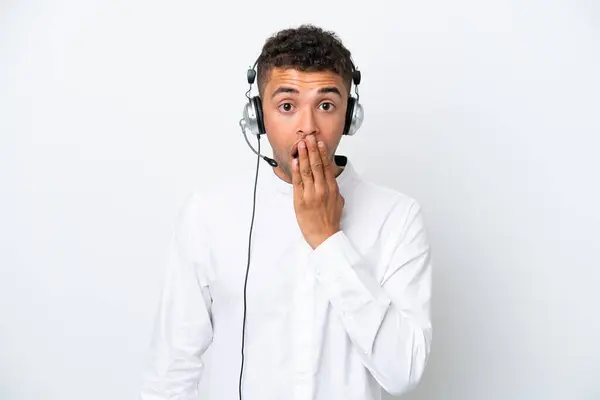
[259, 114]
[349, 114]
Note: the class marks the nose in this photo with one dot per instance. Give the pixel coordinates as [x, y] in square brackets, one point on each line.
[307, 124]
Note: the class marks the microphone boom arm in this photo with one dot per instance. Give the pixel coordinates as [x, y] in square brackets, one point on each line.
[270, 161]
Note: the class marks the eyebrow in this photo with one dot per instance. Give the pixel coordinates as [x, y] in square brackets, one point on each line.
[284, 90]
[328, 89]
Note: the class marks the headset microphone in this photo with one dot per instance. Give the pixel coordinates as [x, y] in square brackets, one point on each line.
[269, 160]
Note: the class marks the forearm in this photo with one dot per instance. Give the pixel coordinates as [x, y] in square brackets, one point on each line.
[182, 328]
[392, 337]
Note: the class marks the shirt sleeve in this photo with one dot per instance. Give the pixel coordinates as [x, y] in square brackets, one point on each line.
[386, 317]
[183, 328]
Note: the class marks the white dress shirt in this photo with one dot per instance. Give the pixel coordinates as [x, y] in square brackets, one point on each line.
[340, 322]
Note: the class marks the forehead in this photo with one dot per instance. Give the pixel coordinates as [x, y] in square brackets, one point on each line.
[303, 80]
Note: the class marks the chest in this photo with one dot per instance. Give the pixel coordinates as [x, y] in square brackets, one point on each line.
[265, 257]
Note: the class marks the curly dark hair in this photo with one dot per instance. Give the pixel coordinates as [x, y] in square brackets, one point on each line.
[306, 48]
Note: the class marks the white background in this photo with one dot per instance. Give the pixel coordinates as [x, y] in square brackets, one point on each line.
[487, 112]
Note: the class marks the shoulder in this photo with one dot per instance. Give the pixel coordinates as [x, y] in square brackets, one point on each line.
[209, 200]
[372, 196]
[392, 215]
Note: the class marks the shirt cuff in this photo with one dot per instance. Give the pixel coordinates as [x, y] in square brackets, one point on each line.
[351, 288]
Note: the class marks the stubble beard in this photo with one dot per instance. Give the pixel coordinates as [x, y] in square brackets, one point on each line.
[286, 168]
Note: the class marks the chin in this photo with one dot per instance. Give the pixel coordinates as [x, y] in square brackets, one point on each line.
[286, 168]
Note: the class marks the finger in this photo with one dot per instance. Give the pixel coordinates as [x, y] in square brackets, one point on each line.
[305, 169]
[296, 178]
[327, 164]
[316, 163]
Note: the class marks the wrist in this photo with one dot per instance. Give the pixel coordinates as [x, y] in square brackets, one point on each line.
[317, 240]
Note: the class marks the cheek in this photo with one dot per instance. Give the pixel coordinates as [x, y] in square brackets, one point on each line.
[274, 130]
[276, 124]
[278, 140]
[281, 131]
[331, 126]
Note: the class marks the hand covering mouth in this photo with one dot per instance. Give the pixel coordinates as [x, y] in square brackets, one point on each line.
[294, 151]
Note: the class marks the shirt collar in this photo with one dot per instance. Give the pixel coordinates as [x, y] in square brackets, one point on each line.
[277, 184]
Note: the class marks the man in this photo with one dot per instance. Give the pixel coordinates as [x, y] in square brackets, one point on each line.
[334, 301]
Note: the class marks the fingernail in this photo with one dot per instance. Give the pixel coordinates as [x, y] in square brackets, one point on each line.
[302, 145]
[321, 144]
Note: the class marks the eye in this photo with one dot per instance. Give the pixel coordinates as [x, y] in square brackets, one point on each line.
[286, 107]
[327, 106]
